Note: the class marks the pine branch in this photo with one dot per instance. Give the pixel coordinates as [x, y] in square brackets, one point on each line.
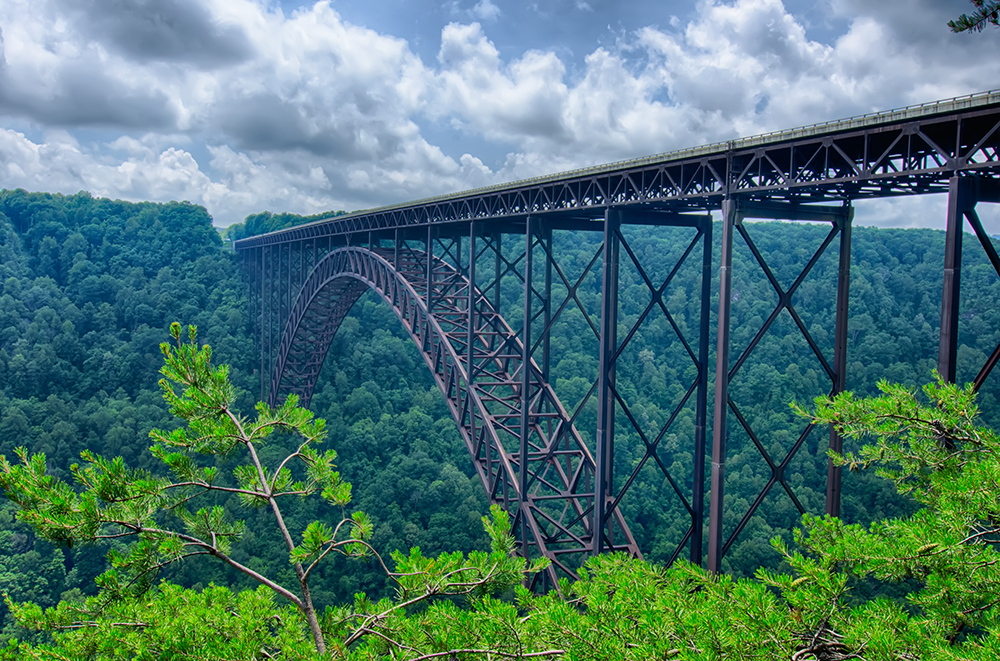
[987, 11]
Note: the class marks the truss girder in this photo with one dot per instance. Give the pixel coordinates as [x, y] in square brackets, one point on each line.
[913, 151]
[524, 445]
[734, 213]
[526, 451]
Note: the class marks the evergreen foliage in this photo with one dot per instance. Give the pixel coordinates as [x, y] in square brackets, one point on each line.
[987, 11]
[77, 373]
[88, 286]
[621, 608]
[113, 502]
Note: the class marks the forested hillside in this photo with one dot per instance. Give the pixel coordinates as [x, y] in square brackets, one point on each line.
[90, 286]
[264, 222]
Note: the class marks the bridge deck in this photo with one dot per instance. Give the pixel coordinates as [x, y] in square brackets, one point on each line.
[808, 173]
[906, 151]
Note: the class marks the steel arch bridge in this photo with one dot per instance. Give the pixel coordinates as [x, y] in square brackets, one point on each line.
[551, 494]
[445, 266]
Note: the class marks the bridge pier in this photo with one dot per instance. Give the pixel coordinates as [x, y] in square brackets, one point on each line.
[605, 433]
[964, 193]
[834, 472]
[526, 421]
[734, 211]
[720, 434]
[497, 380]
[616, 336]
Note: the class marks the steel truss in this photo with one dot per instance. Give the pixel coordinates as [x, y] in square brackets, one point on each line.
[550, 291]
[734, 211]
[963, 195]
[905, 152]
[525, 449]
[509, 416]
[446, 265]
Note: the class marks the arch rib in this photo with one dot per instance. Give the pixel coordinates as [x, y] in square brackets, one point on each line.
[553, 517]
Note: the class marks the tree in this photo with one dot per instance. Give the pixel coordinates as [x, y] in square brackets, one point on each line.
[987, 11]
[937, 452]
[115, 503]
[930, 444]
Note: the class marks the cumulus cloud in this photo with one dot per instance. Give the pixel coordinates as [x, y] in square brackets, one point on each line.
[165, 30]
[738, 68]
[520, 101]
[485, 10]
[238, 106]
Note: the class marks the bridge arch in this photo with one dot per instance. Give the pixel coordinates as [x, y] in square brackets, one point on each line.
[527, 452]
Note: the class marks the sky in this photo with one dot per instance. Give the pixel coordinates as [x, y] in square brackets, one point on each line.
[251, 105]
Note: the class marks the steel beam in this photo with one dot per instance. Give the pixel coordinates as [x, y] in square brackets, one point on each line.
[730, 217]
[546, 238]
[525, 431]
[273, 286]
[498, 257]
[263, 356]
[904, 152]
[605, 436]
[833, 472]
[471, 310]
[429, 249]
[961, 198]
[986, 191]
[701, 403]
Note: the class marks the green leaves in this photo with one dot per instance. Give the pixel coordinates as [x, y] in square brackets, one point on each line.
[933, 449]
[987, 11]
[170, 623]
[212, 525]
[315, 537]
[114, 501]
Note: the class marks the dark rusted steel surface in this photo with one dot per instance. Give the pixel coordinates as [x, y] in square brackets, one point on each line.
[422, 256]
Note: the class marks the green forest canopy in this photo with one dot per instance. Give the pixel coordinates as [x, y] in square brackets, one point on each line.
[89, 286]
[931, 447]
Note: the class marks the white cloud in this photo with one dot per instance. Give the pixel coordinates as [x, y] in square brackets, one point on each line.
[738, 68]
[305, 111]
[921, 211]
[485, 10]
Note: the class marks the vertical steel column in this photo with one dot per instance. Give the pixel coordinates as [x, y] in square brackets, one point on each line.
[496, 308]
[833, 472]
[547, 301]
[395, 250]
[701, 405]
[719, 431]
[271, 289]
[430, 268]
[605, 436]
[496, 276]
[470, 339]
[263, 281]
[961, 191]
[522, 460]
[286, 309]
